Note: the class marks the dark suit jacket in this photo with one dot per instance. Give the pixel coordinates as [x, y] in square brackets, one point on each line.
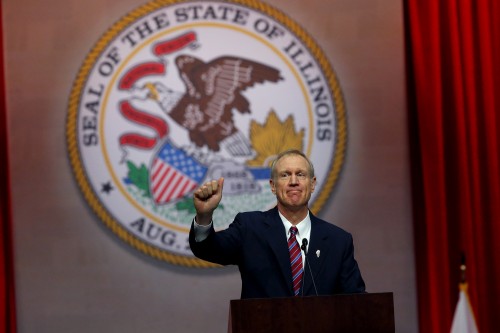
[256, 242]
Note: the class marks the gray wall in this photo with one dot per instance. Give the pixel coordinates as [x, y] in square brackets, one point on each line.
[73, 275]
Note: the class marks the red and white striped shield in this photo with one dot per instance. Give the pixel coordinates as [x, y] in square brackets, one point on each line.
[174, 174]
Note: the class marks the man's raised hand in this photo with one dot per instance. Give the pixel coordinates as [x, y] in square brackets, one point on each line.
[206, 199]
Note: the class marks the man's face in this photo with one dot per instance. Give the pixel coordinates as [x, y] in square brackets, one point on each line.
[292, 184]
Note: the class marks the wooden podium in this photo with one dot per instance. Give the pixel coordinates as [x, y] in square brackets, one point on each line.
[353, 313]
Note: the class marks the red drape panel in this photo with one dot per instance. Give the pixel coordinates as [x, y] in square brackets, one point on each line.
[453, 62]
[7, 299]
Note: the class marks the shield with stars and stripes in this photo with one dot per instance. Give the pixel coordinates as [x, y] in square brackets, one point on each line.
[174, 174]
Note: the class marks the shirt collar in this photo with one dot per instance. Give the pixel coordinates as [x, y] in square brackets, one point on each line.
[303, 226]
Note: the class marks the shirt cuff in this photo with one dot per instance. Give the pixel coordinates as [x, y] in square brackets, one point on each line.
[201, 232]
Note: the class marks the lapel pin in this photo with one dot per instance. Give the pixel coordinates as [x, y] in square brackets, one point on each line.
[317, 253]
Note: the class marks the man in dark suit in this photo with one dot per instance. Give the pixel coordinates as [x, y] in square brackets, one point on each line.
[259, 242]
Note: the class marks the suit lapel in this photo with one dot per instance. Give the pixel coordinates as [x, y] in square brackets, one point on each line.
[316, 253]
[276, 237]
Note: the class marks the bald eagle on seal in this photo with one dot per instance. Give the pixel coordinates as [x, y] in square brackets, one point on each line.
[213, 90]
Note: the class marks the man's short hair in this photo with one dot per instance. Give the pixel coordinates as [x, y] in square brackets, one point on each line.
[290, 152]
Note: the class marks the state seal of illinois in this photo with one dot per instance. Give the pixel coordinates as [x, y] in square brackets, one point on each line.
[180, 92]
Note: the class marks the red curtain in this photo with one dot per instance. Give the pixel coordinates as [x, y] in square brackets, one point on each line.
[7, 299]
[453, 67]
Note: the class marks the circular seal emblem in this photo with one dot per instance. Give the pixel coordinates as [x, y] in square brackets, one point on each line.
[180, 92]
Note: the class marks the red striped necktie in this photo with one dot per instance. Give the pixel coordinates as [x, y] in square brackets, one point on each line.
[295, 260]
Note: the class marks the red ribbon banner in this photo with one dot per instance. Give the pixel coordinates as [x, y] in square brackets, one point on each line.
[139, 71]
[174, 44]
[145, 119]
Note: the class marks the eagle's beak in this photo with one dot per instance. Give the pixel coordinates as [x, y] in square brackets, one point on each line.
[153, 92]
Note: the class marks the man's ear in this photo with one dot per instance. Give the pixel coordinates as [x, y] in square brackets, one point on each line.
[313, 184]
[273, 188]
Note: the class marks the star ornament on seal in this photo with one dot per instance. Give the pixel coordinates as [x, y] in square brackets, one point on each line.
[177, 93]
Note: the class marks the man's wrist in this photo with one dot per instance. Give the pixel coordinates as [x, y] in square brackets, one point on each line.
[201, 231]
[203, 219]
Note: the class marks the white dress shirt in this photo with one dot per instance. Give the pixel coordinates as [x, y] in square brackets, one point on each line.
[304, 232]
